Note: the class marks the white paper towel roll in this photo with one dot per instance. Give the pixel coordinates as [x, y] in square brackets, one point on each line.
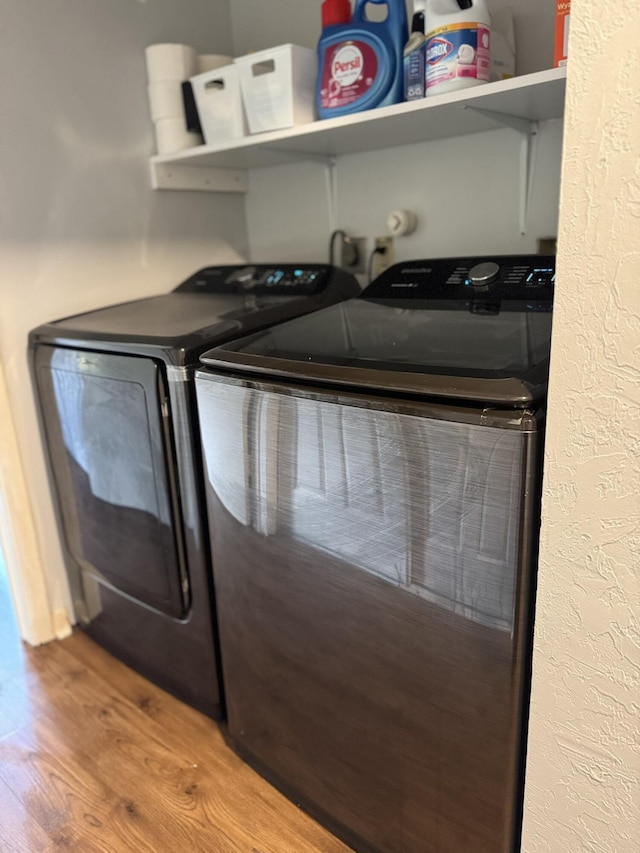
[170, 62]
[172, 135]
[165, 100]
[210, 61]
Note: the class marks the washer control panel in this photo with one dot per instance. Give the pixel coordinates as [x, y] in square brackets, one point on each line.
[507, 277]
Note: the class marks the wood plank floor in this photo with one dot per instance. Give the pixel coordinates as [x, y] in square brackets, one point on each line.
[94, 758]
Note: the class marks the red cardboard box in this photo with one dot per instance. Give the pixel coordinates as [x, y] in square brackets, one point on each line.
[563, 8]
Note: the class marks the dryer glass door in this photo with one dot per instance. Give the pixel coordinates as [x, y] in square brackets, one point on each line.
[105, 418]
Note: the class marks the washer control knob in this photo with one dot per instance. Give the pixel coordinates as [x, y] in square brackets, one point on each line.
[483, 274]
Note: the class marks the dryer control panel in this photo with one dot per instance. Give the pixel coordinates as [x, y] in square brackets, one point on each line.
[261, 279]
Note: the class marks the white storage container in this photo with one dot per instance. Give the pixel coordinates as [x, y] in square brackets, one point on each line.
[278, 87]
[219, 103]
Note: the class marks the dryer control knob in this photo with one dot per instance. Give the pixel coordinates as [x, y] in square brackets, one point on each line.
[246, 274]
[245, 279]
[483, 274]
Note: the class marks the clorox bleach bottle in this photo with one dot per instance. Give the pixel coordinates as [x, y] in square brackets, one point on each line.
[458, 45]
[360, 61]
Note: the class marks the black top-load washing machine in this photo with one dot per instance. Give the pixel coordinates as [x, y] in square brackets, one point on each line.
[118, 414]
[374, 549]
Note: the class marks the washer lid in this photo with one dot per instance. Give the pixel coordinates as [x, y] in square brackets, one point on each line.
[488, 343]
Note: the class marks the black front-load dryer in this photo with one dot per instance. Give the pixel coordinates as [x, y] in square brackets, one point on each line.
[115, 392]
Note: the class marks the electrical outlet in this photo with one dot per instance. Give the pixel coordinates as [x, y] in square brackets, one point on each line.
[383, 255]
[353, 255]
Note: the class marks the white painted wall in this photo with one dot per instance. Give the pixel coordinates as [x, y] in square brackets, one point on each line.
[79, 225]
[583, 777]
[465, 192]
[18, 537]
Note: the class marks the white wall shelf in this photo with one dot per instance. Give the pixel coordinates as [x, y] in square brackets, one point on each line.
[529, 99]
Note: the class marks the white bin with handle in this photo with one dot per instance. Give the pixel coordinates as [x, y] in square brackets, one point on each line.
[219, 103]
[278, 87]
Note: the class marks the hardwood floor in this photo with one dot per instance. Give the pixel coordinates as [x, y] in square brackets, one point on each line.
[95, 759]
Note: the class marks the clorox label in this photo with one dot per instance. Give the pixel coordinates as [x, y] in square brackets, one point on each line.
[348, 70]
[438, 50]
[457, 51]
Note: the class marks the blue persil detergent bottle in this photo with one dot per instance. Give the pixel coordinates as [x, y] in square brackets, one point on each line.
[360, 62]
[458, 44]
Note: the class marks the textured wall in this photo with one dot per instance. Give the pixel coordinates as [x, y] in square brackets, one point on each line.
[583, 776]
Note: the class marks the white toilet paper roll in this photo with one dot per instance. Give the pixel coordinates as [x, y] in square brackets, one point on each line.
[210, 61]
[165, 100]
[170, 62]
[172, 135]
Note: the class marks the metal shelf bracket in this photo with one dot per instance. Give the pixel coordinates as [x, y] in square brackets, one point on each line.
[181, 176]
[528, 131]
